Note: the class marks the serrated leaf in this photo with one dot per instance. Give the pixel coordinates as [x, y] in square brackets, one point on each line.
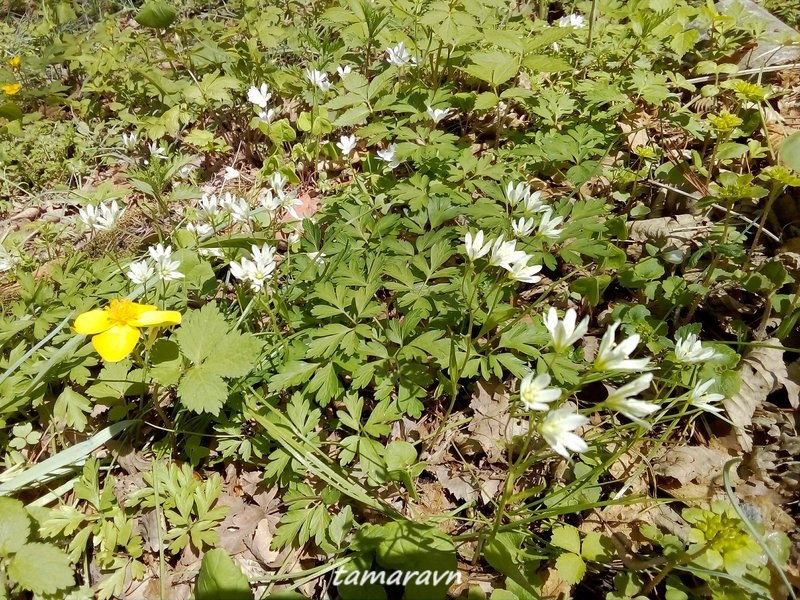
[220, 577]
[541, 63]
[41, 569]
[166, 362]
[597, 547]
[570, 567]
[15, 526]
[341, 524]
[200, 332]
[234, 355]
[494, 67]
[567, 538]
[291, 374]
[352, 116]
[156, 14]
[201, 390]
[72, 408]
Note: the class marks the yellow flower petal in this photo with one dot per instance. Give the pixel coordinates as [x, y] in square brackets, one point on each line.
[116, 343]
[92, 322]
[143, 308]
[14, 61]
[157, 318]
[11, 88]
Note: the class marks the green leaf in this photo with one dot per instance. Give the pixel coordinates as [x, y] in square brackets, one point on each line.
[567, 538]
[10, 111]
[591, 288]
[503, 595]
[156, 14]
[291, 374]
[597, 547]
[486, 100]
[400, 455]
[220, 577]
[353, 116]
[234, 355]
[570, 567]
[341, 524]
[15, 526]
[541, 63]
[202, 390]
[200, 332]
[41, 568]
[405, 546]
[494, 66]
[790, 151]
[166, 362]
[72, 408]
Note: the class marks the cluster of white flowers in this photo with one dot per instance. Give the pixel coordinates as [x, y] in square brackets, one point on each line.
[503, 254]
[258, 270]
[260, 97]
[319, 79]
[558, 426]
[521, 195]
[216, 210]
[280, 197]
[399, 56]
[160, 264]
[102, 217]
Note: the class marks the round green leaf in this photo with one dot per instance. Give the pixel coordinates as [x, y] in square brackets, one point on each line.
[790, 151]
[41, 568]
[14, 526]
[400, 455]
[156, 15]
[220, 577]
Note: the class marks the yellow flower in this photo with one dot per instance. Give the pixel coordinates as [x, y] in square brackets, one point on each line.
[14, 61]
[11, 88]
[116, 327]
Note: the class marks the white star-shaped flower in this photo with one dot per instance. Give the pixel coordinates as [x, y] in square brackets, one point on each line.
[259, 96]
[347, 143]
[557, 429]
[614, 357]
[437, 114]
[319, 79]
[535, 393]
[475, 247]
[564, 333]
[621, 400]
[140, 272]
[388, 155]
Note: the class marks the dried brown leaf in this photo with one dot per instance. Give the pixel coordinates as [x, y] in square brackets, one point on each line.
[490, 427]
[762, 371]
[692, 463]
